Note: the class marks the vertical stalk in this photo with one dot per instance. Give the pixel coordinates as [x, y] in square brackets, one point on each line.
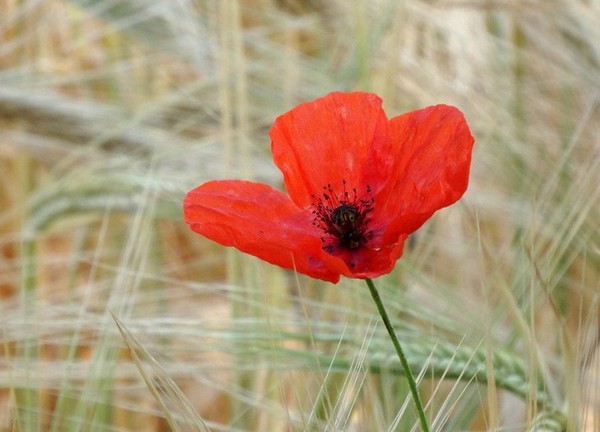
[409, 376]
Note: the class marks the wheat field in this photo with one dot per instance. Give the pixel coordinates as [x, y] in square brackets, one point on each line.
[114, 316]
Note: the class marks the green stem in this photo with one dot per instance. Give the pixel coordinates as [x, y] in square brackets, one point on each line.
[409, 376]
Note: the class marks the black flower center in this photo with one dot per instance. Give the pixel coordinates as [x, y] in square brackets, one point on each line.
[343, 218]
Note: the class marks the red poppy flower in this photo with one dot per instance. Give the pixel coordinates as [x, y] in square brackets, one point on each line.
[358, 184]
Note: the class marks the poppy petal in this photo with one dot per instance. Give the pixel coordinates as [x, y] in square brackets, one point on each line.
[433, 149]
[370, 263]
[339, 137]
[263, 222]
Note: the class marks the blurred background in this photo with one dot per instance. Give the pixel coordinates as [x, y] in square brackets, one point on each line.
[115, 317]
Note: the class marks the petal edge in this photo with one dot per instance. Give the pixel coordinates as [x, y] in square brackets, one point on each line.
[341, 136]
[260, 221]
[434, 147]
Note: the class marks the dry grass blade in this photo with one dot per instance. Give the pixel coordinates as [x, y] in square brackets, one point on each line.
[173, 403]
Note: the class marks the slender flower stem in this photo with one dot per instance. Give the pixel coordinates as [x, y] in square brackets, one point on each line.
[409, 376]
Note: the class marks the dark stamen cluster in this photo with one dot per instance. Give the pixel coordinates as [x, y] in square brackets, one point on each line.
[345, 217]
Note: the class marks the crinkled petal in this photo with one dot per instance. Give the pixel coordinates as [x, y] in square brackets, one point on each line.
[342, 136]
[261, 221]
[432, 154]
[366, 262]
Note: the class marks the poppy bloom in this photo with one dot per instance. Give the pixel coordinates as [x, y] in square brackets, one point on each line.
[358, 184]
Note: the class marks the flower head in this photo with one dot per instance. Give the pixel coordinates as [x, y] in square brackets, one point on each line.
[357, 186]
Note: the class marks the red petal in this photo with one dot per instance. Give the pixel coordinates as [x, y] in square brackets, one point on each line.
[263, 222]
[432, 160]
[371, 263]
[342, 136]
